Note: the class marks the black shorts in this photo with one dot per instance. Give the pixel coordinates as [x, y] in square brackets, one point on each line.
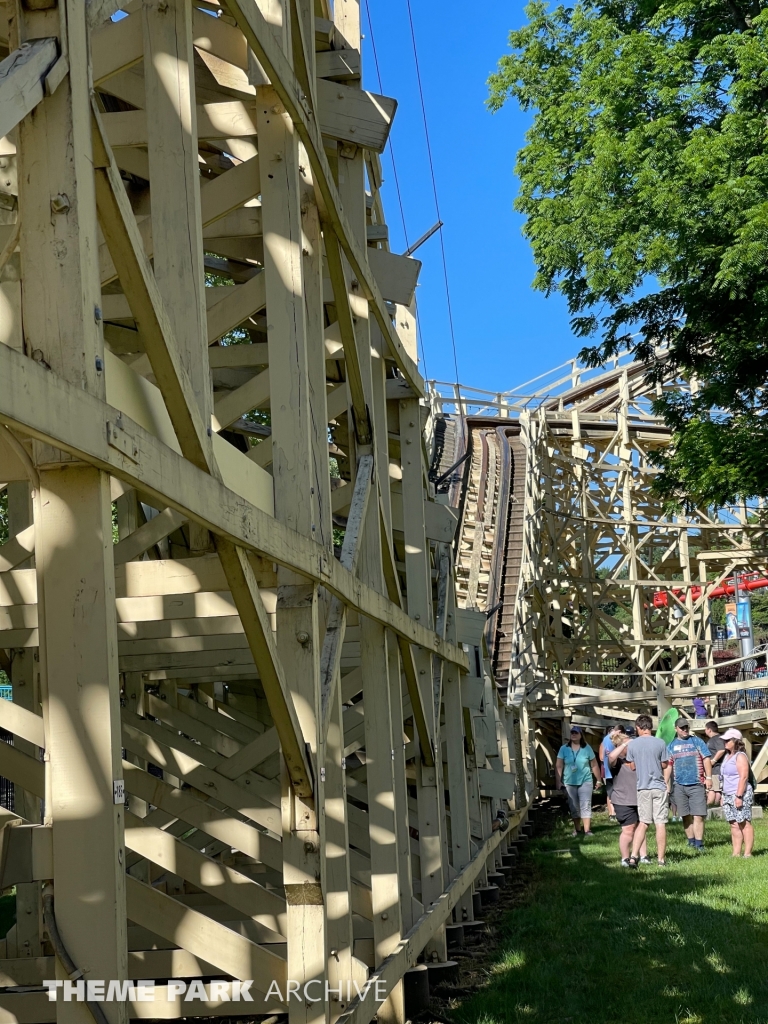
[626, 814]
[609, 787]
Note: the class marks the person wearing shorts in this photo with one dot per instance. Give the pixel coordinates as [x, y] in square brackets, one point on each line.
[738, 793]
[625, 804]
[606, 746]
[647, 757]
[690, 770]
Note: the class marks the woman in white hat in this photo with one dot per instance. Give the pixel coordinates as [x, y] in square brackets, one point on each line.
[738, 793]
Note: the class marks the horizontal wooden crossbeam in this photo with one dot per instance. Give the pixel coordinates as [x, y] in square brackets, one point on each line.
[46, 407]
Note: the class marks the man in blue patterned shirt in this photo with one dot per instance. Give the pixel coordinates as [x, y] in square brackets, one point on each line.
[690, 769]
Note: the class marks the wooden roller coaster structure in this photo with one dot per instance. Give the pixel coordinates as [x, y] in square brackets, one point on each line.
[252, 738]
[598, 603]
[289, 638]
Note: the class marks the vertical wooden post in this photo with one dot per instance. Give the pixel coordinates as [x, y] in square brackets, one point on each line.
[334, 836]
[24, 678]
[461, 840]
[404, 871]
[82, 721]
[298, 635]
[332, 789]
[419, 584]
[174, 168]
[379, 740]
[73, 526]
[175, 172]
[630, 534]
[380, 760]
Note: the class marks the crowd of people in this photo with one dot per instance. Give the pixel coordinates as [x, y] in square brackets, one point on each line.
[646, 778]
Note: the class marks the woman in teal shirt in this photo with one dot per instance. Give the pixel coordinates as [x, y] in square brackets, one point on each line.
[575, 768]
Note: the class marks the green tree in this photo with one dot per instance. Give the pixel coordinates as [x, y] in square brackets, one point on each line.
[644, 184]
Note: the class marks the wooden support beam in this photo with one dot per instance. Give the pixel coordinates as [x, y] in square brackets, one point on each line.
[418, 665]
[181, 759]
[456, 759]
[250, 607]
[292, 380]
[119, 226]
[341, 291]
[200, 935]
[260, 38]
[254, 394]
[25, 771]
[330, 660]
[393, 968]
[230, 119]
[22, 80]
[21, 722]
[18, 549]
[151, 533]
[73, 550]
[175, 179]
[230, 886]
[251, 755]
[760, 763]
[236, 306]
[218, 198]
[50, 409]
[191, 806]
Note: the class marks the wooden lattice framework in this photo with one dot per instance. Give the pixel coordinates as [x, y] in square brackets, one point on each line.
[575, 522]
[591, 646]
[310, 742]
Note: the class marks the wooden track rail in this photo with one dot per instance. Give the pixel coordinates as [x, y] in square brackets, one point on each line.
[255, 739]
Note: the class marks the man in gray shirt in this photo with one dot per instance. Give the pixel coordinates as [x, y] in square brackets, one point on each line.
[647, 755]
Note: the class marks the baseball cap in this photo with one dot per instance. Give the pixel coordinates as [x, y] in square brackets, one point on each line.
[732, 734]
[682, 722]
[575, 728]
[630, 730]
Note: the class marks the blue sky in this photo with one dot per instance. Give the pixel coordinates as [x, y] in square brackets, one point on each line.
[505, 331]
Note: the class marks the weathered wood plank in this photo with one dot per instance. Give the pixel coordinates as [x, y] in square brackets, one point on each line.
[244, 589]
[22, 80]
[230, 952]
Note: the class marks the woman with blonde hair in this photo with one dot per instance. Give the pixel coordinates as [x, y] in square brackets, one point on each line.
[625, 796]
[738, 793]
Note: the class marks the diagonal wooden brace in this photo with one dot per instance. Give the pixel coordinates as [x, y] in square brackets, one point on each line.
[22, 80]
[340, 284]
[250, 608]
[138, 280]
[336, 625]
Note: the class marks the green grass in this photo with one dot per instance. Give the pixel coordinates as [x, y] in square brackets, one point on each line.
[600, 944]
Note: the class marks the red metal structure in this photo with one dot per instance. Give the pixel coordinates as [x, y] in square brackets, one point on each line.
[749, 581]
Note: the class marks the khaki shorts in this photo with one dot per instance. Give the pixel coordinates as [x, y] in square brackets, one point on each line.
[716, 787]
[653, 806]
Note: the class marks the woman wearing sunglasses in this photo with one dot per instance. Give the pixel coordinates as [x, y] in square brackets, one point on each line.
[738, 793]
[575, 768]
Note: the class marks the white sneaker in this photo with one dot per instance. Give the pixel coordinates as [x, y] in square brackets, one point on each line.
[624, 862]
